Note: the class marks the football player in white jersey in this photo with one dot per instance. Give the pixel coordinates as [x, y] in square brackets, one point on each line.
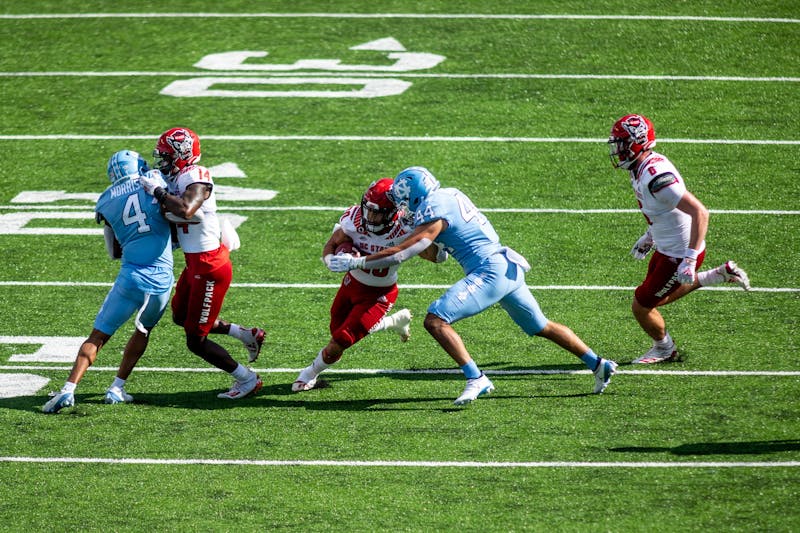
[677, 225]
[365, 297]
[190, 202]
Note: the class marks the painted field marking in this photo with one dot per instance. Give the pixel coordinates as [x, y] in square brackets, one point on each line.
[426, 371]
[382, 138]
[301, 75]
[409, 286]
[446, 16]
[407, 464]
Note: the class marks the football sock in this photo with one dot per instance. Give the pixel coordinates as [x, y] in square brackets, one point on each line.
[385, 323]
[471, 370]
[665, 343]
[235, 331]
[69, 387]
[319, 365]
[241, 373]
[118, 382]
[591, 360]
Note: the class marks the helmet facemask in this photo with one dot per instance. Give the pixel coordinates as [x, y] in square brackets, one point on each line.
[175, 150]
[378, 212]
[630, 137]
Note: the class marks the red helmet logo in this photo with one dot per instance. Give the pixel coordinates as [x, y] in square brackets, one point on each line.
[630, 136]
[177, 149]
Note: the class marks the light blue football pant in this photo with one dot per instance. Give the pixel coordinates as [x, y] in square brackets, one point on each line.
[496, 280]
[125, 299]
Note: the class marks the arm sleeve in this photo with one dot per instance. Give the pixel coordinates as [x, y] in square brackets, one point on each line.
[399, 257]
[110, 239]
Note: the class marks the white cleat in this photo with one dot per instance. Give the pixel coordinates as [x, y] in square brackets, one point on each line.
[402, 324]
[658, 355]
[475, 388]
[58, 401]
[602, 375]
[117, 395]
[305, 381]
[253, 340]
[733, 274]
[241, 389]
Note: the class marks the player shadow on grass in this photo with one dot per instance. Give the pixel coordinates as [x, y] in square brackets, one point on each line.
[757, 447]
[270, 397]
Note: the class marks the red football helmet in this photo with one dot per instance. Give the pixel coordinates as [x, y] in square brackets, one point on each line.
[378, 212]
[630, 136]
[176, 149]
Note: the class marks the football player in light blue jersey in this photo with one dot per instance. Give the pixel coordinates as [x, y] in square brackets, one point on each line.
[135, 232]
[493, 274]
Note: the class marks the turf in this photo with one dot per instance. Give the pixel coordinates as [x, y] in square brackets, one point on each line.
[710, 443]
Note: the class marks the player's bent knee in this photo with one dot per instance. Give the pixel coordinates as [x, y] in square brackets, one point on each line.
[344, 338]
[433, 323]
[195, 344]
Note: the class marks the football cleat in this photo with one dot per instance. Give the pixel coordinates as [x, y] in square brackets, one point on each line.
[240, 389]
[58, 401]
[253, 340]
[475, 388]
[402, 324]
[117, 395]
[305, 381]
[733, 274]
[602, 375]
[300, 386]
[658, 355]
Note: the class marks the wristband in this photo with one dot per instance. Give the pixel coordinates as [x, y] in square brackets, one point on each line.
[691, 254]
[160, 193]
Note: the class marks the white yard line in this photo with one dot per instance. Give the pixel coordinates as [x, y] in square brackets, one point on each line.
[407, 464]
[315, 74]
[426, 371]
[521, 210]
[382, 138]
[447, 16]
[13, 283]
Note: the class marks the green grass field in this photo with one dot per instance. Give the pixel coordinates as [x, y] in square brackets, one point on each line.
[515, 114]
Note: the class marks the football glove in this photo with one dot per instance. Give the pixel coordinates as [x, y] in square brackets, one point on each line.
[686, 271]
[150, 183]
[327, 260]
[642, 246]
[346, 262]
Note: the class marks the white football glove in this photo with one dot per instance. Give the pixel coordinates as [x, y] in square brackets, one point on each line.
[150, 183]
[345, 263]
[642, 246]
[327, 260]
[686, 271]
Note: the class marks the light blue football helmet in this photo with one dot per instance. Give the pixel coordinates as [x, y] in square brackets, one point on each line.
[126, 163]
[411, 186]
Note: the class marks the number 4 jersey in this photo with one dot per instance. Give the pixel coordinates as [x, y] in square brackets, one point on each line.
[142, 232]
